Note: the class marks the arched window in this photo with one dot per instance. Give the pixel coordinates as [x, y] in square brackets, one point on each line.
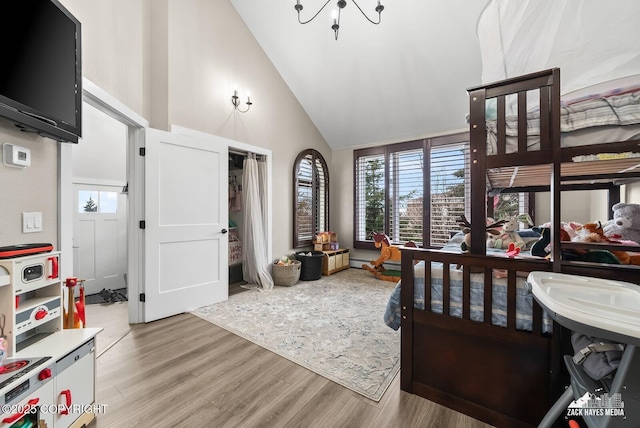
[310, 197]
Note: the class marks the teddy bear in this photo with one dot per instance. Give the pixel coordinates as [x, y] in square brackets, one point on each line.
[625, 224]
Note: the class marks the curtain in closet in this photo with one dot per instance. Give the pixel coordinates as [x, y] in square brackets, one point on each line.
[254, 236]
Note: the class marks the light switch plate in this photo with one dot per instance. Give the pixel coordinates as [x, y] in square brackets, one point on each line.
[31, 222]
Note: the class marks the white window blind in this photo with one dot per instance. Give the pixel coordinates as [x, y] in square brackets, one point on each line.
[305, 200]
[406, 183]
[311, 190]
[370, 195]
[449, 188]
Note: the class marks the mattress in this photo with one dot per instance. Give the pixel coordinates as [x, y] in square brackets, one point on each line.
[524, 298]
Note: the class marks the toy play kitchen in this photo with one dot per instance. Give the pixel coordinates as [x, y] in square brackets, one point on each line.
[607, 310]
[47, 372]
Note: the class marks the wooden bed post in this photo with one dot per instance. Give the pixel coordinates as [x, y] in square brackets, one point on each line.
[406, 332]
[477, 145]
[554, 140]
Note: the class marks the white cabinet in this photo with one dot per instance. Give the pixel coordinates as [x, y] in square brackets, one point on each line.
[75, 384]
[73, 387]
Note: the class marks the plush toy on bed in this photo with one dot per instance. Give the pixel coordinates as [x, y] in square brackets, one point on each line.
[509, 234]
[625, 224]
[542, 247]
[490, 227]
[594, 232]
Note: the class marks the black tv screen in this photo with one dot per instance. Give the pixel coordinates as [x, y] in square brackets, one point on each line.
[40, 77]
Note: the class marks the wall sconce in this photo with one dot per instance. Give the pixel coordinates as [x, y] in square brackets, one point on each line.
[235, 100]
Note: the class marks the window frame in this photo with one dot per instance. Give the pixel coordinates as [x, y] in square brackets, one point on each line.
[427, 145]
[317, 161]
[387, 150]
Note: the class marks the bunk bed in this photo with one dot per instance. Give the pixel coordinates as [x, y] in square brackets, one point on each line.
[503, 373]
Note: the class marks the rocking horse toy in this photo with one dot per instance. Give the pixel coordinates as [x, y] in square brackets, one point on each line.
[387, 252]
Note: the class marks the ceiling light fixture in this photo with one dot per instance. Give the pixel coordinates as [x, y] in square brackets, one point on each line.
[336, 14]
[235, 100]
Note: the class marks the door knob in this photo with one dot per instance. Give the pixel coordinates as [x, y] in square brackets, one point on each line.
[224, 231]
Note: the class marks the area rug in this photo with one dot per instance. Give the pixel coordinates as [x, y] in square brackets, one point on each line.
[332, 326]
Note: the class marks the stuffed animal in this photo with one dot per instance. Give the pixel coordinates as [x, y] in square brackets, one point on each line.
[542, 247]
[509, 234]
[594, 232]
[625, 224]
[490, 228]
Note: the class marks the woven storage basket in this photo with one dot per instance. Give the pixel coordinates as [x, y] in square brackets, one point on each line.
[287, 276]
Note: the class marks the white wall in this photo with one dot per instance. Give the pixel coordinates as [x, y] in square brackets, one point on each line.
[101, 156]
[176, 62]
[209, 52]
[114, 47]
[34, 188]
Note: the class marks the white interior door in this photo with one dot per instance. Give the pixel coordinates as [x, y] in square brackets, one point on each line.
[186, 222]
[100, 237]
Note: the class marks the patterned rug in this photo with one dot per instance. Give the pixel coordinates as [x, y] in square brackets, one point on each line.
[332, 326]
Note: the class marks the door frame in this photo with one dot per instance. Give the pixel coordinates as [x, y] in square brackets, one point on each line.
[136, 126]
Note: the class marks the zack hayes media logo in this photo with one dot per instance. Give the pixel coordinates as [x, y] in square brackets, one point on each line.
[592, 405]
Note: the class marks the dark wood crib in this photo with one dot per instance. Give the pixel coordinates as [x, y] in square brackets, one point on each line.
[500, 374]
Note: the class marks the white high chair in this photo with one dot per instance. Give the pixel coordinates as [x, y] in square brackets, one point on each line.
[598, 308]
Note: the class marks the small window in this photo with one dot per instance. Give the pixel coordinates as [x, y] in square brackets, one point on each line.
[311, 197]
[93, 201]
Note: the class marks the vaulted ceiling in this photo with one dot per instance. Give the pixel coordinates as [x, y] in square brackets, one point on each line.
[404, 78]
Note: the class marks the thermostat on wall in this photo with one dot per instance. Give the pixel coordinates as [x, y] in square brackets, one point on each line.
[16, 156]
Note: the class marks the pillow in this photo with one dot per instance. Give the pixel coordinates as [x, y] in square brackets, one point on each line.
[456, 239]
[529, 236]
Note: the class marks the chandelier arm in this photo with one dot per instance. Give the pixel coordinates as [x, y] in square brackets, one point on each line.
[314, 16]
[365, 15]
[336, 26]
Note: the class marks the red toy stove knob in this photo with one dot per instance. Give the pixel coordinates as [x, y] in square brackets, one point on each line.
[44, 374]
[41, 313]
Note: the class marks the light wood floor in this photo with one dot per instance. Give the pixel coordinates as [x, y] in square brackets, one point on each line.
[185, 372]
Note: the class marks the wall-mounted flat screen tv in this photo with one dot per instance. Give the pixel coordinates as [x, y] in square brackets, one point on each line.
[40, 76]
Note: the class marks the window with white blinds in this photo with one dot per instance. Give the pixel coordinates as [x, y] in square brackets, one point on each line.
[311, 197]
[411, 191]
[416, 191]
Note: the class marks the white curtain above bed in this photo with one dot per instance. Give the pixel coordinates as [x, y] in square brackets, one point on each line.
[591, 41]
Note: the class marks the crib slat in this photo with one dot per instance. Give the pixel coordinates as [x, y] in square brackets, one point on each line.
[545, 142]
[511, 300]
[536, 319]
[522, 121]
[466, 292]
[427, 286]
[502, 125]
[488, 295]
[446, 286]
